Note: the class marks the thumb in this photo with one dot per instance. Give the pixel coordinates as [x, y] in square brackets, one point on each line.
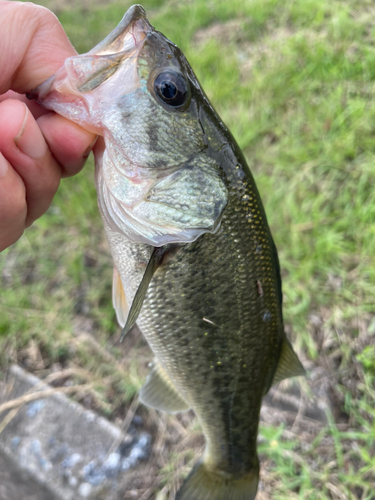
[33, 45]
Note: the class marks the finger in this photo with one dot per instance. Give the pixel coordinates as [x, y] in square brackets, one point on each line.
[36, 109]
[23, 145]
[69, 143]
[33, 45]
[13, 208]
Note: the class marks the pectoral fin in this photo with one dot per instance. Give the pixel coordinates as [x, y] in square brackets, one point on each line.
[154, 262]
[159, 391]
[289, 364]
[119, 300]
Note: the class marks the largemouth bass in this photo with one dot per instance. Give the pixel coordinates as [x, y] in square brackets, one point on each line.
[195, 263]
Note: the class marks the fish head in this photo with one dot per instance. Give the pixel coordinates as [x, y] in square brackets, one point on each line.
[156, 182]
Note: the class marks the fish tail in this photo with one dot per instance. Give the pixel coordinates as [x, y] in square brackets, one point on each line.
[204, 483]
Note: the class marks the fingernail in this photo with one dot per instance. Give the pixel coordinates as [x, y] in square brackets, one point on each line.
[3, 166]
[90, 148]
[29, 139]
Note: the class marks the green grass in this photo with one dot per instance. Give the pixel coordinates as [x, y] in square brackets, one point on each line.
[294, 81]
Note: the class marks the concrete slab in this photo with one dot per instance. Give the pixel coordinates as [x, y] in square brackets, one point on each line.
[54, 449]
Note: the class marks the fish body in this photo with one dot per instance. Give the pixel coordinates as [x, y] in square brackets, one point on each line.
[195, 263]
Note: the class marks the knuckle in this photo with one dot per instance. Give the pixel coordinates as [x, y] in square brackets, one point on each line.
[33, 12]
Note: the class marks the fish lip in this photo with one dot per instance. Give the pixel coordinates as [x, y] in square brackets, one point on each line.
[133, 13]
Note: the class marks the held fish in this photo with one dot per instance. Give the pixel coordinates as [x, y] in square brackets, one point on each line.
[195, 263]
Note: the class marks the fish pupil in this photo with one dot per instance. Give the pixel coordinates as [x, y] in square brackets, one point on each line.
[168, 89]
[171, 88]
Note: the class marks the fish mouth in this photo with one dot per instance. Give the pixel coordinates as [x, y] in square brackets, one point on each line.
[83, 73]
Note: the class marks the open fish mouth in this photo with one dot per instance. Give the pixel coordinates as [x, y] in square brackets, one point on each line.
[118, 48]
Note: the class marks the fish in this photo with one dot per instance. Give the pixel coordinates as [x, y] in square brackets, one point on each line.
[195, 265]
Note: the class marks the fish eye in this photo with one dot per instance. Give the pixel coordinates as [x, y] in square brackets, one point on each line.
[171, 88]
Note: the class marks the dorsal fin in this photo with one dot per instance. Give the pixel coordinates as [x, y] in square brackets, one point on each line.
[154, 262]
[160, 392]
[289, 365]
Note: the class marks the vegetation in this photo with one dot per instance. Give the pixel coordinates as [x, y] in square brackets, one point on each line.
[294, 82]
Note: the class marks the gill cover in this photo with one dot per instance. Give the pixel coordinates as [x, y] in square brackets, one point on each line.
[155, 183]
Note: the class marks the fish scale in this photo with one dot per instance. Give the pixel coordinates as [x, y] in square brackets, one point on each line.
[195, 263]
[196, 281]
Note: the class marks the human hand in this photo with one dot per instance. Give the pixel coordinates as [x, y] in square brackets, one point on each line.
[37, 147]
